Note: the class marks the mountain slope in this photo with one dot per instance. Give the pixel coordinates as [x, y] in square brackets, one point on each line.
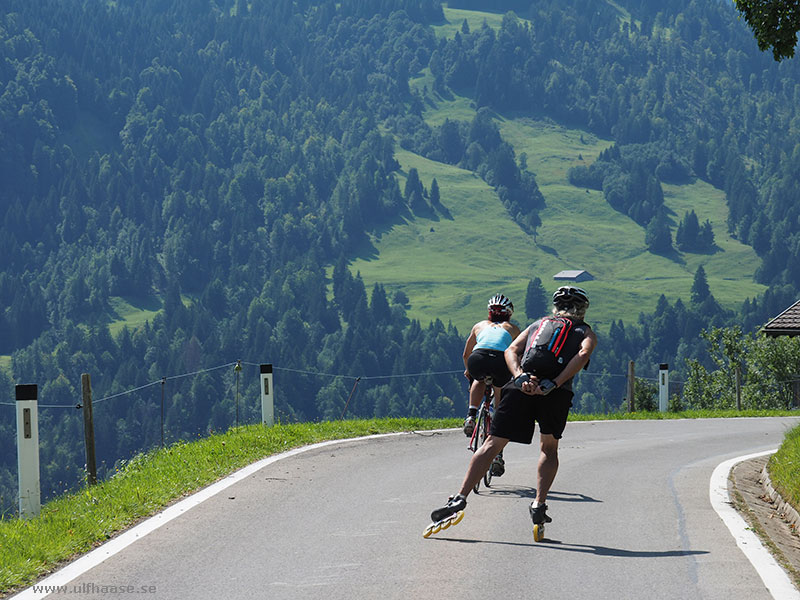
[462, 263]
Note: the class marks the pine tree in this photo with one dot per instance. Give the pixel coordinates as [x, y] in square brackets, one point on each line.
[658, 237]
[379, 305]
[413, 184]
[700, 289]
[706, 237]
[686, 238]
[535, 299]
[435, 197]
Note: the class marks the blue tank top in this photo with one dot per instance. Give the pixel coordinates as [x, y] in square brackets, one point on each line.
[493, 337]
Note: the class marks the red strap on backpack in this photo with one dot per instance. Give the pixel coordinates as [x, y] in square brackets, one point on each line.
[555, 344]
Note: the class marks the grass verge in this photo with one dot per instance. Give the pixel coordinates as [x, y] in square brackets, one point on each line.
[75, 523]
[784, 468]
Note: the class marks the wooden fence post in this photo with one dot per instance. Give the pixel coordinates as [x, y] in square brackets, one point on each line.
[631, 386]
[237, 369]
[163, 385]
[88, 428]
[738, 374]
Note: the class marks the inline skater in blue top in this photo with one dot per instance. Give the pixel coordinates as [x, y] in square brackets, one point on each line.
[484, 356]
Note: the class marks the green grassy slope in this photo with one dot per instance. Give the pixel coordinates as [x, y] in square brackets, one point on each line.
[455, 18]
[449, 267]
[450, 272]
[132, 312]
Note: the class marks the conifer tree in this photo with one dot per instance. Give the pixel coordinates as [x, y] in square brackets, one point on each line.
[700, 289]
[658, 237]
[686, 237]
[435, 196]
[535, 299]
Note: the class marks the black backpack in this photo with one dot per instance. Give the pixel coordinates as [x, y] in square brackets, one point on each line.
[547, 351]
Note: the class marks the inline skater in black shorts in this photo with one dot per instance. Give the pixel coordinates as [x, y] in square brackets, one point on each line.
[529, 398]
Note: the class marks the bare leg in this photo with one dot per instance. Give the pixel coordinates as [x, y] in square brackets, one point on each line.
[476, 393]
[497, 392]
[481, 461]
[548, 466]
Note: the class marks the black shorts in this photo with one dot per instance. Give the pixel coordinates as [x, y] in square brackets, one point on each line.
[484, 362]
[516, 416]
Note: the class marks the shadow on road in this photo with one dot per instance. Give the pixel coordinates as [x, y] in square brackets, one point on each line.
[529, 492]
[584, 548]
[570, 497]
[605, 551]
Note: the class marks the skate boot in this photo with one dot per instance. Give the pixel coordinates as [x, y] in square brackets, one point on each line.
[450, 514]
[498, 466]
[469, 426]
[539, 518]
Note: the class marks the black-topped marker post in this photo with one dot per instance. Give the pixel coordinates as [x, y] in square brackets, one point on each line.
[267, 396]
[663, 387]
[30, 496]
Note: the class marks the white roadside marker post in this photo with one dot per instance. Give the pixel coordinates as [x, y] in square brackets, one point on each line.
[267, 400]
[663, 387]
[30, 496]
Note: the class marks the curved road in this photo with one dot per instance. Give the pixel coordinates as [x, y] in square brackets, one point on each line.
[630, 507]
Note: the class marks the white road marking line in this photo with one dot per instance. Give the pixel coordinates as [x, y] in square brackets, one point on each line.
[772, 574]
[88, 561]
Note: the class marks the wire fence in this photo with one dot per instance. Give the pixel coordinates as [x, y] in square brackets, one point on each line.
[168, 378]
[163, 380]
[119, 440]
[177, 421]
[676, 384]
[673, 381]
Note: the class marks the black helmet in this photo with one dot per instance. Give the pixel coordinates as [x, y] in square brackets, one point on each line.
[568, 295]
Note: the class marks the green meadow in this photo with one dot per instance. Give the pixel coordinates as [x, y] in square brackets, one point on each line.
[450, 264]
[132, 312]
[455, 18]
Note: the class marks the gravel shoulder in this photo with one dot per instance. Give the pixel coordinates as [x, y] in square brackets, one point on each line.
[752, 499]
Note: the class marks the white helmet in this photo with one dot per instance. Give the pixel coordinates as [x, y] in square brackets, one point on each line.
[500, 305]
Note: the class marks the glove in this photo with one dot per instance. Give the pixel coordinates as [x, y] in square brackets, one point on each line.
[547, 386]
[518, 381]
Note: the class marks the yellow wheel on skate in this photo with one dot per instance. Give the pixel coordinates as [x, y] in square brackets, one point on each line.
[538, 532]
[428, 531]
[456, 519]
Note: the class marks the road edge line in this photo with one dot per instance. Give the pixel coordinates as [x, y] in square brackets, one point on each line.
[772, 574]
[118, 543]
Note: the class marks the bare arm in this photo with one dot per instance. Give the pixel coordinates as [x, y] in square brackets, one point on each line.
[513, 353]
[470, 345]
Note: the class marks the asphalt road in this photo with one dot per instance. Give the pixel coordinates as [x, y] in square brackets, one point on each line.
[630, 508]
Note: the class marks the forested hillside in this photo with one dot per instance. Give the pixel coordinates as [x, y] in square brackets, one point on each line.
[218, 164]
